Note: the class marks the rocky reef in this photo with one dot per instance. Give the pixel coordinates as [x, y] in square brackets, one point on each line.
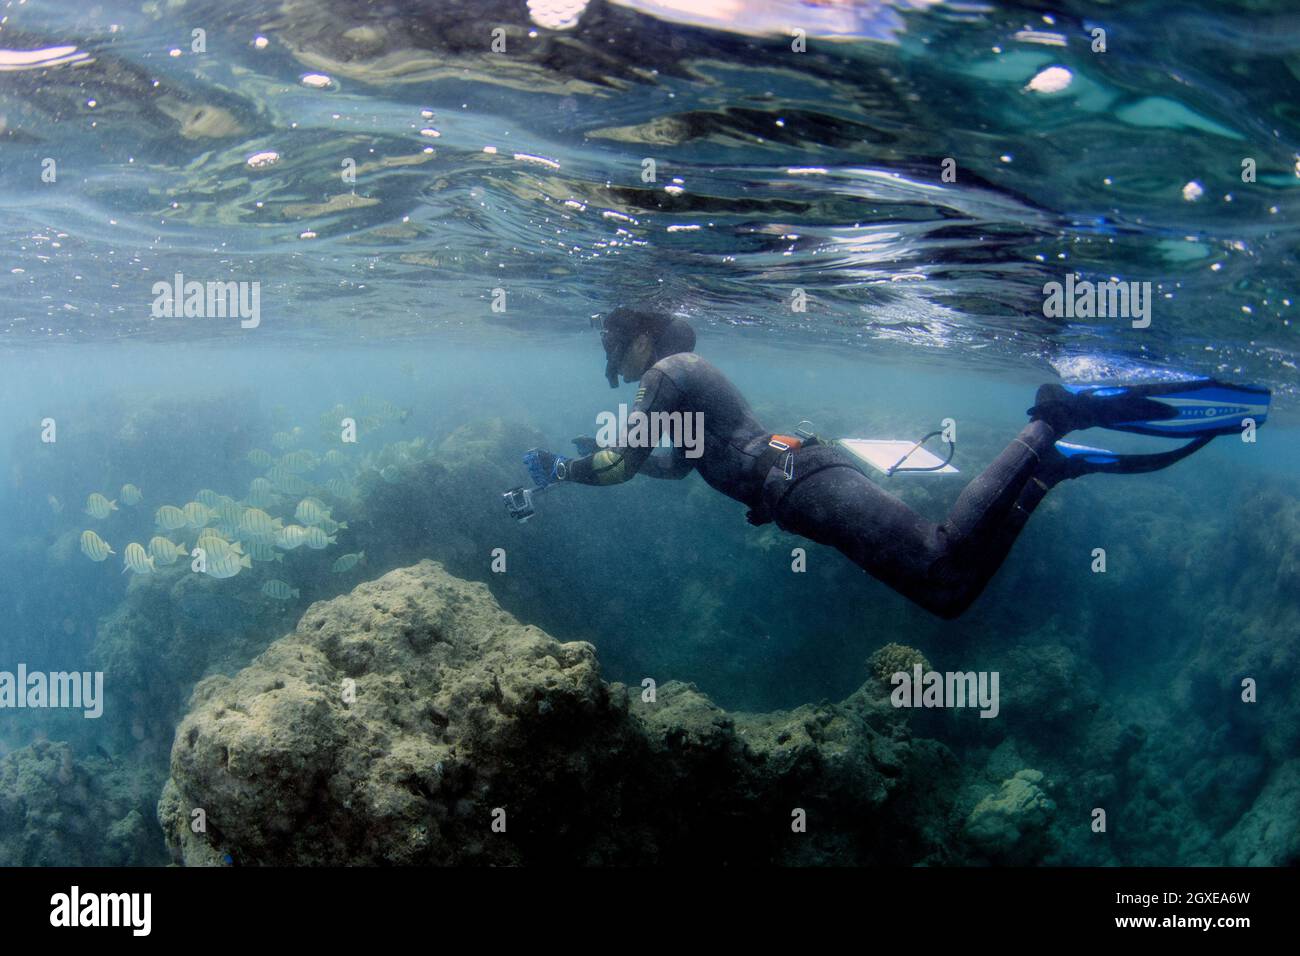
[413, 721]
[59, 809]
[457, 710]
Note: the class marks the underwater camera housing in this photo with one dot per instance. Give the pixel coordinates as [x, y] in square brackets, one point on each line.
[519, 503]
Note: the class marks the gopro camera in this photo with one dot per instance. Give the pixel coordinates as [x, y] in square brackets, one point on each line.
[519, 503]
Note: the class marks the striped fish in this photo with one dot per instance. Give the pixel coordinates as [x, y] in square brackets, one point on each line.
[227, 564]
[257, 523]
[287, 482]
[311, 511]
[137, 559]
[317, 539]
[229, 511]
[340, 488]
[197, 514]
[290, 537]
[208, 497]
[275, 588]
[97, 506]
[214, 544]
[331, 526]
[263, 550]
[164, 551]
[347, 562]
[261, 493]
[169, 518]
[95, 547]
[298, 461]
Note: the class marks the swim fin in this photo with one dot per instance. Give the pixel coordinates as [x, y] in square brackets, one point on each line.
[1199, 409]
[1190, 408]
[1074, 460]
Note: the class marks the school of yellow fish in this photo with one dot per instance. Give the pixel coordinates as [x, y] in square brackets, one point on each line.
[283, 509]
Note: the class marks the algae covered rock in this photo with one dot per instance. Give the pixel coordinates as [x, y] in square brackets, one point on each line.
[389, 727]
[1011, 826]
[414, 721]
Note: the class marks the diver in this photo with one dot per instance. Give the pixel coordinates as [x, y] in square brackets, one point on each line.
[814, 488]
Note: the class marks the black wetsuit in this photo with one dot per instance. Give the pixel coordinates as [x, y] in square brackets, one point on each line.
[819, 492]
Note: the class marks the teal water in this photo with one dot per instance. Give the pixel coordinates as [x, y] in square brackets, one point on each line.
[517, 178]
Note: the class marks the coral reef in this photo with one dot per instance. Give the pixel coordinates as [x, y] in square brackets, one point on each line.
[59, 810]
[415, 722]
[472, 711]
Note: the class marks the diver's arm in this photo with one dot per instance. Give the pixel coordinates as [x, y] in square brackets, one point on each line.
[612, 466]
[609, 466]
[673, 466]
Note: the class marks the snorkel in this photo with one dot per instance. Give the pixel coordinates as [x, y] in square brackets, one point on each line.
[613, 356]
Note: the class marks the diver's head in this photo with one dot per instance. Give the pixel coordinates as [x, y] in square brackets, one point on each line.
[635, 338]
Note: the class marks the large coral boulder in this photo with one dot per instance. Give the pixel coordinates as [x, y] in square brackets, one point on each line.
[415, 722]
[389, 726]
[1012, 826]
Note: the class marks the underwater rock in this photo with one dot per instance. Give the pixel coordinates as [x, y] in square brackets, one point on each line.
[63, 550]
[1268, 834]
[413, 721]
[1003, 762]
[1011, 826]
[1047, 688]
[60, 810]
[1247, 634]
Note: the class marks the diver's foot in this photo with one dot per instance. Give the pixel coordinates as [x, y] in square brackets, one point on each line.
[1061, 462]
[1056, 406]
[1067, 409]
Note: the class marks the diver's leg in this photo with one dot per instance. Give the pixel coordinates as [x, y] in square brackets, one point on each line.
[942, 567]
[989, 515]
[990, 497]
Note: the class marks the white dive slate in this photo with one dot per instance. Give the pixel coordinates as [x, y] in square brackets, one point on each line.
[887, 454]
